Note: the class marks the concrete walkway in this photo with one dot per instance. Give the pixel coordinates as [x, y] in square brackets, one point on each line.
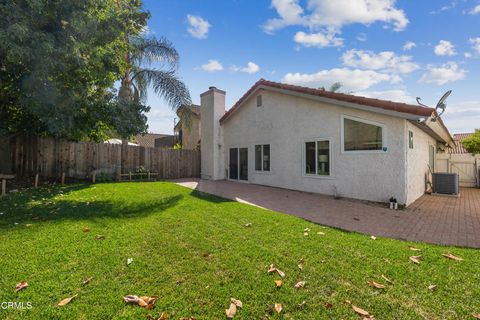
[432, 219]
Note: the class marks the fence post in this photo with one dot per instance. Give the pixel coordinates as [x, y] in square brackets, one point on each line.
[63, 178]
[36, 180]
[93, 177]
[4, 187]
[130, 176]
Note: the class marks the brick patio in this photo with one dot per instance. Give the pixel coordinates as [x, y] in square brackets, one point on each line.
[432, 219]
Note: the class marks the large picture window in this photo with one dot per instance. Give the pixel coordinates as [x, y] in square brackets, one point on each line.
[262, 157]
[362, 136]
[317, 157]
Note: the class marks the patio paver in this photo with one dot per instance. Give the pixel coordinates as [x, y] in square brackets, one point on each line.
[431, 219]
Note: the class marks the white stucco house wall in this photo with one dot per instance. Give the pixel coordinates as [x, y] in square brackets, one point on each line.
[317, 141]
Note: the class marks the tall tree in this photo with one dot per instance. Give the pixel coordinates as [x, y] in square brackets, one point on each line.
[58, 62]
[472, 143]
[139, 76]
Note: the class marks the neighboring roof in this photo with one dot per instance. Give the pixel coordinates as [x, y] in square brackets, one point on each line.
[165, 142]
[119, 141]
[404, 108]
[148, 139]
[458, 148]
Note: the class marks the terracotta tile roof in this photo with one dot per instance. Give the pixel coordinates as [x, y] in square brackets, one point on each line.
[458, 138]
[148, 139]
[376, 103]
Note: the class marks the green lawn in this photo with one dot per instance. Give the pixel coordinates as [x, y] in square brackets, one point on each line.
[194, 252]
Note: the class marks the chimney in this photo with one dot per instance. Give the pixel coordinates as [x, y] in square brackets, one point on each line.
[212, 150]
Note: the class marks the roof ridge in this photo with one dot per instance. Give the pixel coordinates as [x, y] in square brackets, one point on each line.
[372, 102]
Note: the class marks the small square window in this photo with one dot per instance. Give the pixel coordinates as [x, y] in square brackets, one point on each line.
[410, 139]
[259, 100]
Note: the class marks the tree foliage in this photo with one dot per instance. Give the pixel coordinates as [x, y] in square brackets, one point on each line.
[472, 143]
[59, 61]
[164, 81]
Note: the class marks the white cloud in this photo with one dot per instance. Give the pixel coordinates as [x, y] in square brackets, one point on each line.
[462, 116]
[475, 10]
[409, 45]
[317, 39]
[198, 27]
[251, 68]
[475, 44]
[467, 54]
[333, 15]
[290, 13]
[350, 79]
[391, 95]
[362, 37]
[445, 73]
[212, 66]
[444, 48]
[385, 60]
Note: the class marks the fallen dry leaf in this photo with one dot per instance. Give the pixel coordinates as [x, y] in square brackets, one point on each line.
[305, 234]
[376, 285]
[66, 301]
[387, 279]
[86, 229]
[273, 269]
[236, 302]
[415, 259]
[129, 261]
[231, 311]
[300, 266]
[321, 233]
[306, 230]
[432, 287]
[99, 237]
[248, 225]
[302, 304]
[452, 257]
[300, 284]
[278, 307]
[28, 225]
[278, 283]
[328, 305]
[414, 249]
[476, 315]
[21, 285]
[144, 301]
[373, 237]
[360, 311]
[87, 281]
[281, 273]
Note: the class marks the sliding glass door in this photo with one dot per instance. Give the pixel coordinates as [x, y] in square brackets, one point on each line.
[238, 164]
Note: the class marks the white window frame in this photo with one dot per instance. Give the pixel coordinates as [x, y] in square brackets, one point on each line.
[330, 157]
[373, 123]
[238, 147]
[255, 159]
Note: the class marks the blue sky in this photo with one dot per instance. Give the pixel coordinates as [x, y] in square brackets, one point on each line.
[394, 50]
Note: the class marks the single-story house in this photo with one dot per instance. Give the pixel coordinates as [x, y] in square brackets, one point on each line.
[458, 160]
[318, 141]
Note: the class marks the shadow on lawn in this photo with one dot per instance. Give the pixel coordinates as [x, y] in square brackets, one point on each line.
[18, 208]
[209, 197]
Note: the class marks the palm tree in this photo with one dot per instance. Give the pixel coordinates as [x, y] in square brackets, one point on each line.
[164, 81]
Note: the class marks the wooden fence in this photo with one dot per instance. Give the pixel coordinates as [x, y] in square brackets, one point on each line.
[50, 158]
